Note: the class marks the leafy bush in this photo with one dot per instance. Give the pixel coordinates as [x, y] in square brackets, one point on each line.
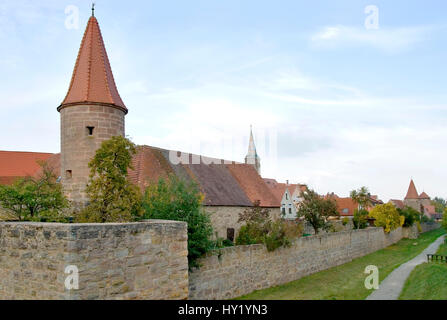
[113, 198]
[345, 221]
[386, 216]
[360, 219]
[34, 199]
[444, 223]
[175, 199]
[259, 228]
[411, 216]
[316, 210]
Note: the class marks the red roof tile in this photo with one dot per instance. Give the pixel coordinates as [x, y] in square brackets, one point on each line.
[412, 192]
[253, 185]
[92, 81]
[346, 206]
[15, 165]
[398, 203]
[423, 195]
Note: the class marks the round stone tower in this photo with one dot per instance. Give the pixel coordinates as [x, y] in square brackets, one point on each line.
[91, 112]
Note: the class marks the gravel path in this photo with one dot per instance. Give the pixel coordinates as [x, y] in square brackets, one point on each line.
[392, 286]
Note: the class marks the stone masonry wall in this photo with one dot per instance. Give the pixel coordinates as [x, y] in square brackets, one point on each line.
[429, 226]
[243, 269]
[146, 260]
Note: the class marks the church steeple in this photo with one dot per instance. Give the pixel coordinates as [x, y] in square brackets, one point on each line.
[252, 156]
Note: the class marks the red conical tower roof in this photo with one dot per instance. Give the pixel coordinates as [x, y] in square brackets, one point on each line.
[92, 81]
[412, 192]
[423, 195]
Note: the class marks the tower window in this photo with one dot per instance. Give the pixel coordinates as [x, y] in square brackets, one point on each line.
[68, 174]
[90, 130]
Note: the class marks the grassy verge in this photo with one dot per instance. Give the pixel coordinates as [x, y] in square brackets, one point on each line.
[346, 282]
[427, 281]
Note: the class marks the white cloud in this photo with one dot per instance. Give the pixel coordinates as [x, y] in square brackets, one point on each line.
[386, 39]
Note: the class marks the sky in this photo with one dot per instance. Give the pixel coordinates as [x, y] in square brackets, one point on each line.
[339, 95]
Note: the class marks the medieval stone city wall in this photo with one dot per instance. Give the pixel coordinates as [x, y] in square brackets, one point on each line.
[240, 270]
[426, 227]
[146, 260]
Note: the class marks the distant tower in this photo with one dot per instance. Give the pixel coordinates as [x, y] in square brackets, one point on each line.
[412, 198]
[91, 112]
[252, 156]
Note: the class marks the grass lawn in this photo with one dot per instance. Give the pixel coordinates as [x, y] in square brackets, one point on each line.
[346, 282]
[428, 281]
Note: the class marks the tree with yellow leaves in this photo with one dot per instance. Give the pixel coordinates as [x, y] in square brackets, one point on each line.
[387, 216]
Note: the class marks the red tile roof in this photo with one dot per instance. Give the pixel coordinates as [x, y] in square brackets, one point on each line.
[253, 185]
[345, 203]
[423, 195]
[92, 81]
[430, 209]
[412, 192]
[226, 184]
[223, 184]
[398, 203]
[15, 165]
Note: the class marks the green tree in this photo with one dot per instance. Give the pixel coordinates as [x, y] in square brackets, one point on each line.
[386, 216]
[112, 197]
[411, 215]
[362, 197]
[175, 199]
[35, 198]
[259, 228]
[440, 204]
[316, 210]
[360, 220]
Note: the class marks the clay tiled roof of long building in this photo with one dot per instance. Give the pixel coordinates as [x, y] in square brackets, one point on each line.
[14, 165]
[92, 81]
[412, 192]
[223, 184]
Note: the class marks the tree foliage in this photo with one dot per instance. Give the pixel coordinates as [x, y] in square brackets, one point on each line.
[360, 219]
[35, 198]
[316, 210]
[387, 216]
[175, 199]
[440, 204]
[260, 228]
[411, 216]
[112, 197]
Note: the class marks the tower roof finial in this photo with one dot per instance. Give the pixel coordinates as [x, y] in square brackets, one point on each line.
[93, 9]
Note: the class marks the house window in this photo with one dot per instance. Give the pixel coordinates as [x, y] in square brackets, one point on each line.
[290, 210]
[230, 234]
[346, 210]
[68, 174]
[90, 130]
[283, 210]
[287, 196]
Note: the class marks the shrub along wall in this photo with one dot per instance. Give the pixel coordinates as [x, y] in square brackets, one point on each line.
[236, 271]
[146, 260]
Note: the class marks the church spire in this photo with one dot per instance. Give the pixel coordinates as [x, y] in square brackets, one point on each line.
[252, 156]
[92, 82]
